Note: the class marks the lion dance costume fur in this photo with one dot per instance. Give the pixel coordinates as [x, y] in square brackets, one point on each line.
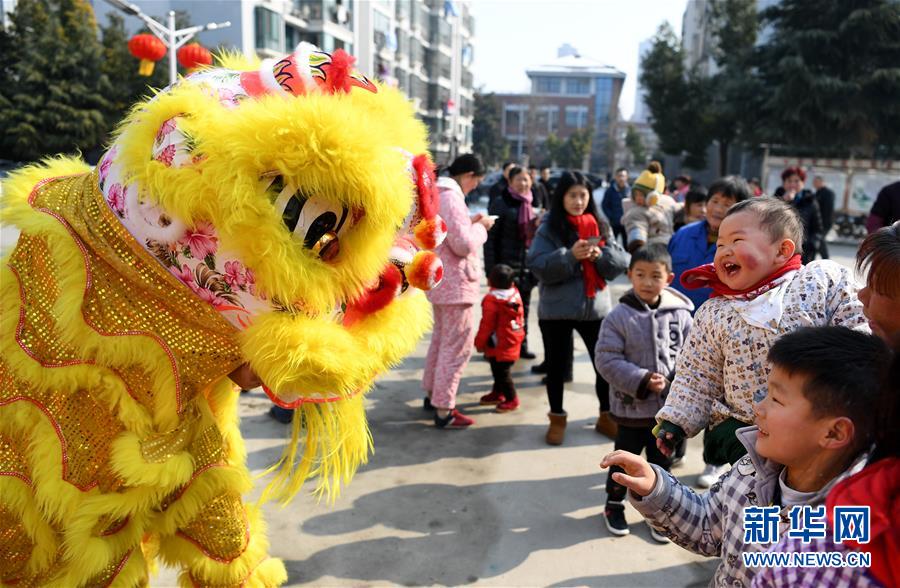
[281, 216]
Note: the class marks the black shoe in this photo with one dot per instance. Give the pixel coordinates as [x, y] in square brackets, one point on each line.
[540, 368]
[568, 379]
[426, 403]
[525, 354]
[282, 415]
[615, 518]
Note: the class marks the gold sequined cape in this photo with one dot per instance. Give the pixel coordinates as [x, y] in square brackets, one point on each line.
[118, 436]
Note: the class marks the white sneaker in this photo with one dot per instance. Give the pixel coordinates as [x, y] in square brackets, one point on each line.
[657, 536]
[709, 476]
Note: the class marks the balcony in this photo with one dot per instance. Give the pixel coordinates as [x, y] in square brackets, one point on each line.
[308, 9]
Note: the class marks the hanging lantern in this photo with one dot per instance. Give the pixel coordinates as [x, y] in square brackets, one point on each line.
[148, 49]
[193, 56]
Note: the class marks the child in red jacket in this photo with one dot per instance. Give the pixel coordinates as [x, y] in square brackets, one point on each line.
[500, 335]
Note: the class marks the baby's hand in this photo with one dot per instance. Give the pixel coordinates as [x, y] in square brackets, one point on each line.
[666, 443]
[639, 477]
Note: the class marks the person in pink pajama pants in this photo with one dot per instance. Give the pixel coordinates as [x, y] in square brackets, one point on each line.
[455, 298]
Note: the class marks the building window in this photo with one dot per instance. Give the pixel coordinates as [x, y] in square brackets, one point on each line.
[268, 29]
[513, 120]
[292, 37]
[547, 85]
[578, 86]
[576, 116]
[546, 120]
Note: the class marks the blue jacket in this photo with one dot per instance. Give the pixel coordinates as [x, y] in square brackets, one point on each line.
[689, 249]
[612, 204]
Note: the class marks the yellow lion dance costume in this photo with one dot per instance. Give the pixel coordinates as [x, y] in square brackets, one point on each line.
[276, 220]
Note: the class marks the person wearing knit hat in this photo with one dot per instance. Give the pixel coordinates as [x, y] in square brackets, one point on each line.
[650, 216]
[651, 179]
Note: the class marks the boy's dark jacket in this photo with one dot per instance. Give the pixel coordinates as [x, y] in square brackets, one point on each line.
[501, 331]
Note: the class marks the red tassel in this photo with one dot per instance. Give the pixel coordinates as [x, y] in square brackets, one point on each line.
[376, 298]
[426, 186]
[338, 78]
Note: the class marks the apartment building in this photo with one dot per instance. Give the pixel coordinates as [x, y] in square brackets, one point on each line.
[570, 93]
[423, 47]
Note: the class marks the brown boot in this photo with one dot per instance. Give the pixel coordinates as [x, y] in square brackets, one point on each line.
[557, 431]
[607, 426]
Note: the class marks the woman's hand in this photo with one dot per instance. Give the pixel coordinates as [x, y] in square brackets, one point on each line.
[582, 249]
[487, 221]
[639, 477]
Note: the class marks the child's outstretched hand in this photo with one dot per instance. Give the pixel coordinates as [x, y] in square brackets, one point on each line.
[639, 477]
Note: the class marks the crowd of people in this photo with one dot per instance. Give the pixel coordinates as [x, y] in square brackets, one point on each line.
[731, 329]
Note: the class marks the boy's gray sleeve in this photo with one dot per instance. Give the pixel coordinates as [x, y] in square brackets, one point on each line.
[609, 357]
[699, 377]
[693, 521]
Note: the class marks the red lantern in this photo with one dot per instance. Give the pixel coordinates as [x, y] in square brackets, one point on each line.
[193, 56]
[148, 49]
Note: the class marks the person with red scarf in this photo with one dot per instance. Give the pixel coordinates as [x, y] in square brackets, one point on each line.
[573, 255]
[760, 292]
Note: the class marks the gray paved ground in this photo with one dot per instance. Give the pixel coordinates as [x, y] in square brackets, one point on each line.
[492, 505]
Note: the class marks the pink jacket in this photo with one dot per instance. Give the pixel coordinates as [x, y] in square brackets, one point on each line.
[459, 251]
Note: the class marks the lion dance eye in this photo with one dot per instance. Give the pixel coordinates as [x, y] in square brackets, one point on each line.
[312, 220]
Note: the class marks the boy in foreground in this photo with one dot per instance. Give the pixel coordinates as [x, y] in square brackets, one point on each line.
[812, 429]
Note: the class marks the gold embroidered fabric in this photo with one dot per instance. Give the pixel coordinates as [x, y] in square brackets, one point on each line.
[221, 530]
[12, 460]
[15, 545]
[130, 293]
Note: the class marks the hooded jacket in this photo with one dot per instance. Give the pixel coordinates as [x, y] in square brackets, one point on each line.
[502, 327]
[635, 342]
[459, 251]
[712, 524]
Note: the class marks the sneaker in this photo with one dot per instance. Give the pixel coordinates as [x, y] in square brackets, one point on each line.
[454, 420]
[508, 405]
[709, 476]
[426, 403]
[657, 536]
[615, 518]
[282, 415]
[491, 399]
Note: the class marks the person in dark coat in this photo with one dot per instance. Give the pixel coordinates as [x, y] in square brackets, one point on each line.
[612, 204]
[508, 240]
[538, 190]
[792, 192]
[886, 210]
[503, 183]
[825, 197]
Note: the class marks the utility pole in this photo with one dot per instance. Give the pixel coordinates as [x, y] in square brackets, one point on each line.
[172, 38]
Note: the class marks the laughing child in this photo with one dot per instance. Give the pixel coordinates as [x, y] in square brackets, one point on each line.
[812, 430]
[760, 293]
